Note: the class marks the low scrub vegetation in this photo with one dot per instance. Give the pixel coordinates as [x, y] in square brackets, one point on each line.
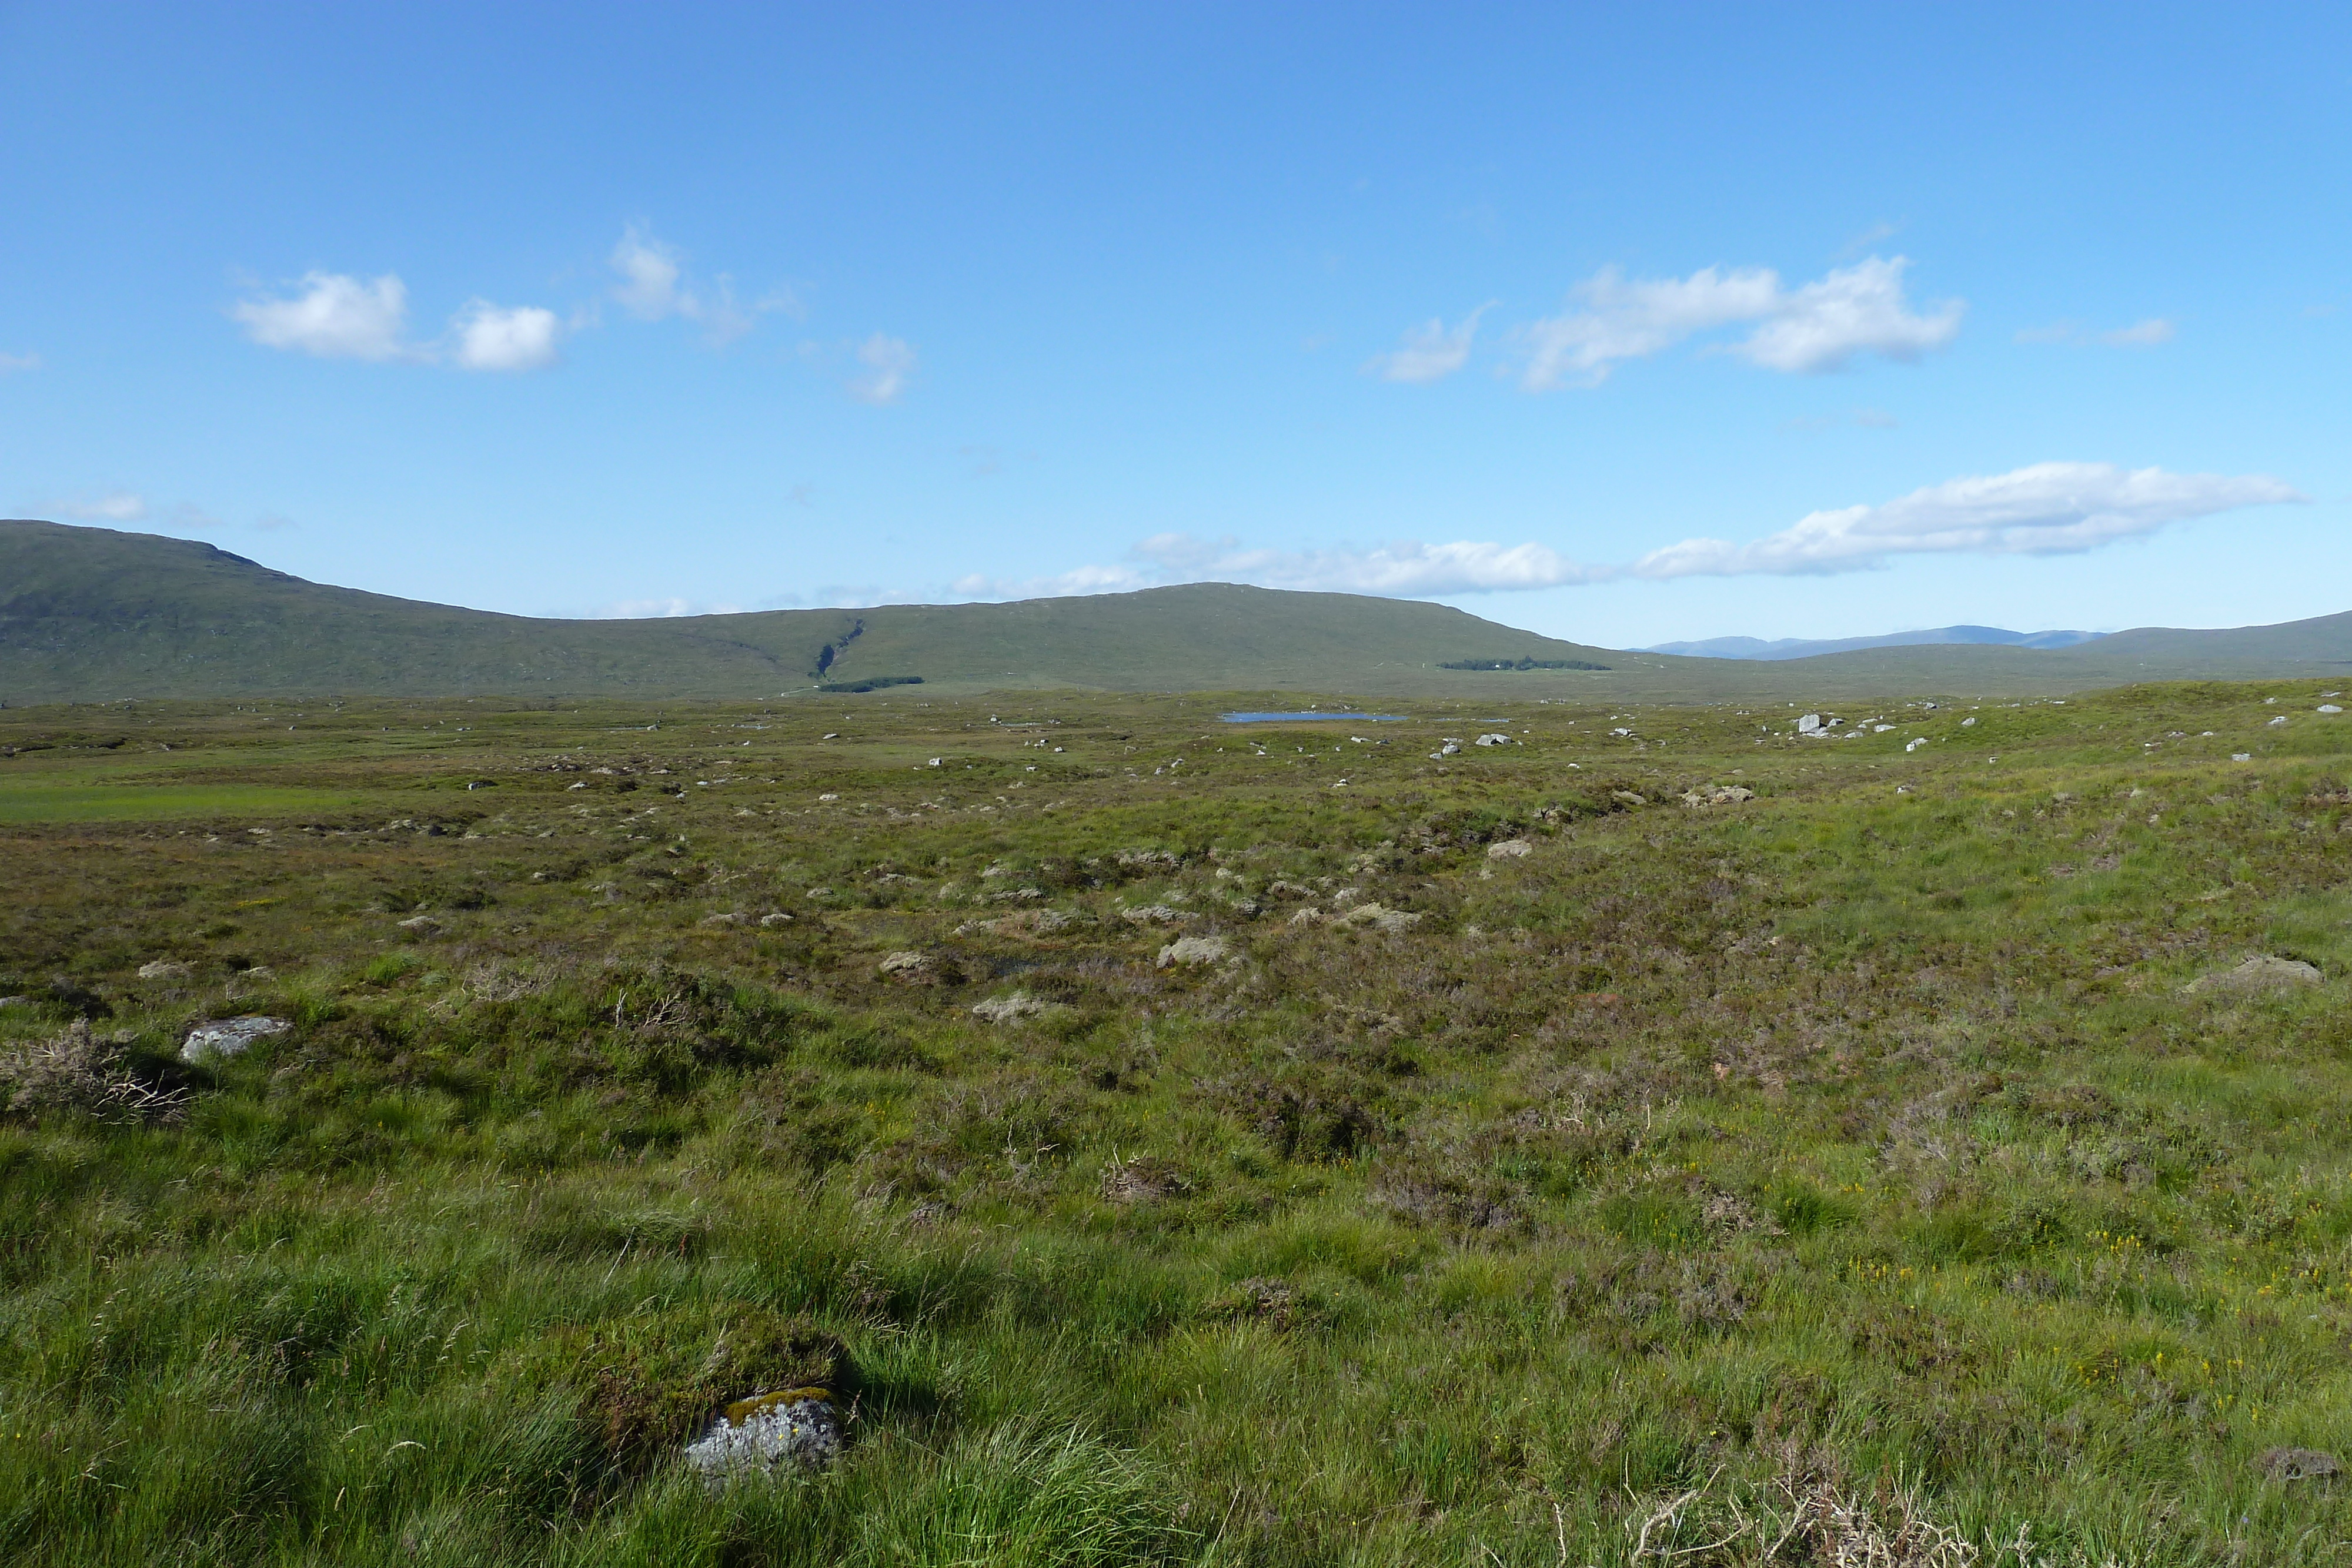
[1652, 1137]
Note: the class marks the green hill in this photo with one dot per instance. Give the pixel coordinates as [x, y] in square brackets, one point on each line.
[91, 614]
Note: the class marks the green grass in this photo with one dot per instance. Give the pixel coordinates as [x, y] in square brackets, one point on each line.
[1728, 1174]
[46, 802]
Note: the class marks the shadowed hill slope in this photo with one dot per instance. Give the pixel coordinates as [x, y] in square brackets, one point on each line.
[91, 614]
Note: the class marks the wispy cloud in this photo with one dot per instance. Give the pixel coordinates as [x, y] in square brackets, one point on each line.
[1405, 570]
[2154, 332]
[110, 506]
[334, 316]
[660, 609]
[11, 362]
[2048, 509]
[1429, 352]
[1820, 326]
[889, 363]
[654, 287]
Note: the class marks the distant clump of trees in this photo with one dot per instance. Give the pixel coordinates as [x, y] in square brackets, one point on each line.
[872, 683]
[1520, 665]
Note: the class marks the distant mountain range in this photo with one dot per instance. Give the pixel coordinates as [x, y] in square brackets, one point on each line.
[95, 615]
[1802, 648]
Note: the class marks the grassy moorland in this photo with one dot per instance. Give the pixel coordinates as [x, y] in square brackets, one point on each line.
[1847, 1170]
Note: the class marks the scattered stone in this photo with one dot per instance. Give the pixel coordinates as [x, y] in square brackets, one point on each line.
[1307, 917]
[796, 1429]
[1381, 918]
[1010, 1009]
[1509, 850]
[1147, 914]
[2298, 1465]
[165, 969]
[777, 918]
[1451, 748]
[2330, 707]
[1627, 797]
[1192, 950]
[229, 1038]
[2263, 972]
[1717, 795]
[423, 925]
[1149, 858]
[911, 967]
[1809, 724]
[823, 799]
[729, 918]
[1494, 740]
[1280, 888]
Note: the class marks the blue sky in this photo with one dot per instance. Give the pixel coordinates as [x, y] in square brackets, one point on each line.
[1620, 323]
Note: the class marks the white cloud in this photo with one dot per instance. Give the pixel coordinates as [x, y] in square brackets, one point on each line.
[9, 363]
[1852, 311]
[1430, 353]
[888, 362]
[1406, 570]
[495, 337]
[1820, 326]
[335, 317]
[2048, 509]
[113, 506]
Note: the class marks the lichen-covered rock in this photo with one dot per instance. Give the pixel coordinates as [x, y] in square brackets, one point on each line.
[229, 1037]
[2260, 973]
[794, 1429]
[1381, 918]
[912, 969]
[1192, 950]
[165, 969]
[1010, 1009]
[1509, 850]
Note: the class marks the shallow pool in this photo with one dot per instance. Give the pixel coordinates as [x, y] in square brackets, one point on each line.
[1291, 717]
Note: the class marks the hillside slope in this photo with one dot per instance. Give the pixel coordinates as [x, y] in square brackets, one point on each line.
[89, 614]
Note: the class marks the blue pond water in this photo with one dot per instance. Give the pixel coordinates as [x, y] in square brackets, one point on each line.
[1293, 717]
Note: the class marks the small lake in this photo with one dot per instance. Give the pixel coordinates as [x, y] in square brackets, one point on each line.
[1294, 717]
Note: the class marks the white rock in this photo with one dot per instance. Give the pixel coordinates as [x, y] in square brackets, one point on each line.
[1805, 726]
[165, 969]
[2329, 708]
[1509, 850]
[795, 1429]
[1192, 950]
[1917, 742]
[1007, 1009]
[1494, 740]
[229, 1038]
[2276, 721]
